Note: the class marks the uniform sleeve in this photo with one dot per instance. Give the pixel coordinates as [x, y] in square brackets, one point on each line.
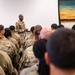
[17, 26]
[2, 71]
[23, 59]
[16, 57]
[11, 69]
[6, 64]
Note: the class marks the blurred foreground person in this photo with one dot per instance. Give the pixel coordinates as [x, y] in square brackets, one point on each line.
[39, 49]
[60, 54]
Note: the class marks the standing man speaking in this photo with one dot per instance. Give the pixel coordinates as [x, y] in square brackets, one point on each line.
[21, 29]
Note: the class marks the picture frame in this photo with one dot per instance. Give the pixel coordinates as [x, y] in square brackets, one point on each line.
[66, 10]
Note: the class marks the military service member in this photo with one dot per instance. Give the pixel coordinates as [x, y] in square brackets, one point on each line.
[20, 28]
[15, 35]
[8, 35]
[6, 64]
[30, 41]
[8, 47]
[28, 59]
[2, 71]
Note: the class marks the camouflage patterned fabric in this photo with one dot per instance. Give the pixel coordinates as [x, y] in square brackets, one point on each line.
[2, 71]
[6, 64]
[28, 59]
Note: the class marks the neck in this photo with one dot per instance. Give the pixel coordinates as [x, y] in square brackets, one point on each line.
[1, 36]
[56, 71]
[21, 20]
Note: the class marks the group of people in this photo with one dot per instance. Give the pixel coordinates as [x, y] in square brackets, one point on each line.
[47, 51]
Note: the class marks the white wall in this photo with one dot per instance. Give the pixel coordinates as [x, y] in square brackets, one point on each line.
[43, 12]
[68, 24]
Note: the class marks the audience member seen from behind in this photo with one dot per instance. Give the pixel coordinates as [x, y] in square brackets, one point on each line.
[60, 54]
[37, 30]
[15, 35]
[54, 26]
[45, 33]
[39, 50]
[6, 64]
[8, 35]
[60, 26]
[30, 41]
[73, 28]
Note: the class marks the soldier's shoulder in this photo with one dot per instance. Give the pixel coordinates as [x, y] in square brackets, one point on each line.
[17, 22]
[30, 71]
[30, 48]
[1, 71]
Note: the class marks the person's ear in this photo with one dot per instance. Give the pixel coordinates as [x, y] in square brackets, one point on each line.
[47, 59]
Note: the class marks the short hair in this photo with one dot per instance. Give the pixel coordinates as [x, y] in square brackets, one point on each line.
[73, 28]
[54, 26]
[38, 28]
[1, 27]
[45, 32]
[20, 15]
[32, 29]
[61, 48]
[12, 27]
[60, 26]
[7, 33]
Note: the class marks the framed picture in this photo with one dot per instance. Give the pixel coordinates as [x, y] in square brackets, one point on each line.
[67, 10]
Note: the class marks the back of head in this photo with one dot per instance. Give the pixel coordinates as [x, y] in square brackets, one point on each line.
[45, 33]
[54, 26]
[7, 33]
[73, 28]
[12, 28]
[32, 29]
[39, 48]
[60, 26]
[1, 27]
[37, 30]
[61, 48]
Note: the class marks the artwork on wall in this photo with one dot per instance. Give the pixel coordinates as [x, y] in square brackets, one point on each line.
[67, 10]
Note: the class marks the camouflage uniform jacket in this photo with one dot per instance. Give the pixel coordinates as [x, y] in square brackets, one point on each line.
[20, 26]
[2, 71]
[6, 64]
[28, 59]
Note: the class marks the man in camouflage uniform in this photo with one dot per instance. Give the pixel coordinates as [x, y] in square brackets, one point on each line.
[2, 71]
[33, 70]
[6, 64]
[28, 59]
[15, 35]
[8, 35]
[8, 47]
[30, 41]
[20, 28]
